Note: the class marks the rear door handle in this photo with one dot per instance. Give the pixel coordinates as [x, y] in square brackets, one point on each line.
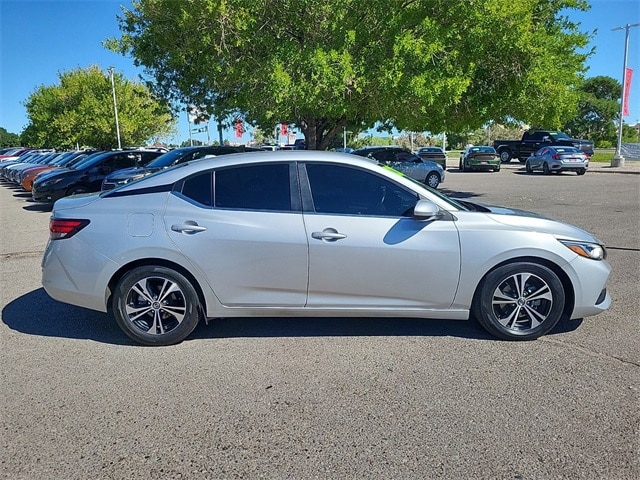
[188, 227]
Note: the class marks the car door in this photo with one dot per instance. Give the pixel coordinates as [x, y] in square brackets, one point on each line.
[365, 248]
[538, 158]
[247, 238]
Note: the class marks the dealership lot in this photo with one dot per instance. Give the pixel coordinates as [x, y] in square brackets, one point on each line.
[328, 398]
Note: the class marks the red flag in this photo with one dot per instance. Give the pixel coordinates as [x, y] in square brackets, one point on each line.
[628, 73]
[284, 130]
[239, 129]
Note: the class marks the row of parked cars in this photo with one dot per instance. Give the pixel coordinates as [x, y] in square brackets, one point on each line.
[51, 175]
[546, 159]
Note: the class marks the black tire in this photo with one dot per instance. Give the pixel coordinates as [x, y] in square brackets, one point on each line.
[155, 305]
[545, 168]
[527, 167]
[432, 180]
[581, 171]
[496, 168]
[519, 301]
[505, 155]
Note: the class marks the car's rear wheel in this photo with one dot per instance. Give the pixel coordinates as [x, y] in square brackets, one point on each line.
[156, 305]
[505, 156]
[519, 301]
[545, 168]
[581, 171]
[432, 180]
[496, 168]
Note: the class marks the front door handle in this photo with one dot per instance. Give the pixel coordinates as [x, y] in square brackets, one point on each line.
[188, 227]
[328, 235]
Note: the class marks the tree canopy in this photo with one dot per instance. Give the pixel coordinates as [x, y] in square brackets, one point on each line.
[79, 111]
[420, 65]
[8, 139]
[598, 110]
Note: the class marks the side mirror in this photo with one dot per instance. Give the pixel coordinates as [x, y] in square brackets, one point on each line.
[426, 210]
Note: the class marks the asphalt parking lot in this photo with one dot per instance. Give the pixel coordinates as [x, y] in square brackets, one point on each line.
[328, 398]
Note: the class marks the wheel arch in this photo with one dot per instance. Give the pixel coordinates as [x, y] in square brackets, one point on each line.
[564, 279]
[115, 278]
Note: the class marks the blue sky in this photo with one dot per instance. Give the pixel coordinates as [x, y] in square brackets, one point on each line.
[39, 38]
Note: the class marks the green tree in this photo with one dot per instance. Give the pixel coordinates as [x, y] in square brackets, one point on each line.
[8, 139]
[598, 111]
[79, 111]
[421, 65]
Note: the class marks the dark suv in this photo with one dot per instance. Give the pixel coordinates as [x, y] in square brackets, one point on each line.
[87, 175]
[174, 157]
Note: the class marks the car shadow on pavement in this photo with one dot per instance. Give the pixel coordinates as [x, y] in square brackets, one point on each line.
[38, 207]
[458, 194]
[35, 313]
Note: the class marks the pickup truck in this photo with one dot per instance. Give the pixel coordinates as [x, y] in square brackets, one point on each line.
[533, 140]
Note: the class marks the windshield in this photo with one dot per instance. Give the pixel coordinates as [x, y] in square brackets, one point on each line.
[168, 158]
[558, 135]
[83, 160]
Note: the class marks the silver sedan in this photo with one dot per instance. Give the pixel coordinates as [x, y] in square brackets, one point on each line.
[305, 233]
[555, 159]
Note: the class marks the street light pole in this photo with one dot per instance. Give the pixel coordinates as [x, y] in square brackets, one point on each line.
[618, 159]
[115, 106]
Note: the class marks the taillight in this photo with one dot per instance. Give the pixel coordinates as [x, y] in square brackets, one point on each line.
[556, 156]
[64, 228]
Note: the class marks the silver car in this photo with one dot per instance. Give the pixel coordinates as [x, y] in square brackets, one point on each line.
[307, 233]
[556, 159]
[426, 171]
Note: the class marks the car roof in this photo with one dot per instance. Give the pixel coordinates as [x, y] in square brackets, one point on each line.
[173, 174]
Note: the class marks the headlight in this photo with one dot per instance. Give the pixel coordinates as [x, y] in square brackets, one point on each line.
[50, 183]
[593, 251]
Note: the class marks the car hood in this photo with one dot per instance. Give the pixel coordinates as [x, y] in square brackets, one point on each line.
[54, 173]
[537, 223]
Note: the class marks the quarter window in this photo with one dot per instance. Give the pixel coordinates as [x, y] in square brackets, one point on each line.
[198, 189]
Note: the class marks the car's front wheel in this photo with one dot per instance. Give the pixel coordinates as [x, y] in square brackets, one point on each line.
[432, 180]
[527, 167]
[156, 305]
[519, 301]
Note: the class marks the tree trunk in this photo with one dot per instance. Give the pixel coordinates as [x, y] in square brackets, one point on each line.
[320, 133]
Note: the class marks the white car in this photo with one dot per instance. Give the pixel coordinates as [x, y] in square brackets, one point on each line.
[307, 233]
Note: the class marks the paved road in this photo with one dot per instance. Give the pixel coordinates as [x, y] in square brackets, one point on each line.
[328, 398]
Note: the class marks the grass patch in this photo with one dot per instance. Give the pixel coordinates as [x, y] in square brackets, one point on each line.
[603, 155]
